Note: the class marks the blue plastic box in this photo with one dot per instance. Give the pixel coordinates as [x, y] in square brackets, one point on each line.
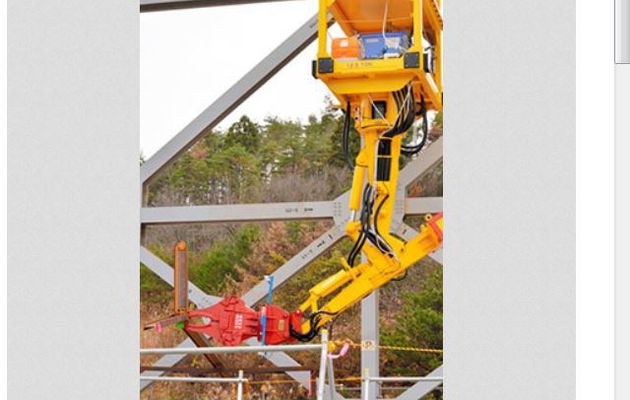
[375, 47]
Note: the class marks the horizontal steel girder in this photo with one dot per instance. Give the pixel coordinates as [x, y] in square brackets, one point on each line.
[315, 210]
[423, 162]
[227, 213]
[167, 5]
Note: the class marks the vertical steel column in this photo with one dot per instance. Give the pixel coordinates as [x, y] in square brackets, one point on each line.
[322, 366]
[370, 356]
[331, 379]
[239, 389]
[366, 384]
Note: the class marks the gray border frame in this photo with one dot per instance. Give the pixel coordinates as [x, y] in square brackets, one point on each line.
[509, 200]
[73, 173]
[622, 231]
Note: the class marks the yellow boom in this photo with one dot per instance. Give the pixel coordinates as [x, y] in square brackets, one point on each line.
[383, 96]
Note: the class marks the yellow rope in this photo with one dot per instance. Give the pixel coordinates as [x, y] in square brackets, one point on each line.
[382, 347]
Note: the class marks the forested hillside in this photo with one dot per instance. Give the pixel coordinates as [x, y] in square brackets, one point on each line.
[273, 161]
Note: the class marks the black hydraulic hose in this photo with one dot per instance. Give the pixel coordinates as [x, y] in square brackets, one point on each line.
[411, 114]
[411, 150]
[407, 109]
[358, 245]
[314, 320]
[346, 137]
[400, 278]
[366, 212]
[378, 210]
[399, 98]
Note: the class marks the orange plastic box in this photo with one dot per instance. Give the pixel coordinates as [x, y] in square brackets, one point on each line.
[346, 48]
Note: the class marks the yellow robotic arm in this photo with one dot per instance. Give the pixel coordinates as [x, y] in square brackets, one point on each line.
[386, 73]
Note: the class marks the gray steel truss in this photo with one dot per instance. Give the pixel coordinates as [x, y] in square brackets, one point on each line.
[335, 210]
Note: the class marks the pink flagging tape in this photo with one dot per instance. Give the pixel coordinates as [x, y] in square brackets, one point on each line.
[342, 352]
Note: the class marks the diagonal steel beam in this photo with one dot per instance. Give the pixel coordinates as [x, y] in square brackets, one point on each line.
[295, 264]
[422, 388]
[231, 99]
[425, 160]
[438, 255]
[313, 210]
[170, 360]
[165, 272]
[167, 5]
[422, 205]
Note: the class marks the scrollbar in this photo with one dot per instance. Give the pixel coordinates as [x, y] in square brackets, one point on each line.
[622, 31]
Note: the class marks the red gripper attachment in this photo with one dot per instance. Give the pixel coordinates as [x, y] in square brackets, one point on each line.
[231, 322]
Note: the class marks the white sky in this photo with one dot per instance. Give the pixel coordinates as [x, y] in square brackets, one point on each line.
[188, 58]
